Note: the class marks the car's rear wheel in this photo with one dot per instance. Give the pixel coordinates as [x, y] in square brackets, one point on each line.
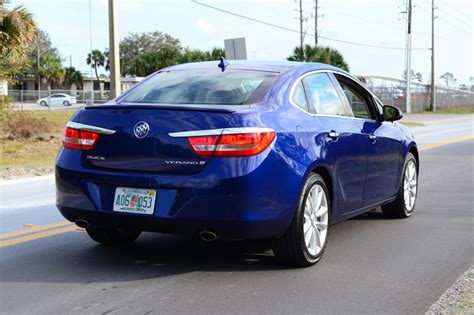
[66, 103]
[404, 204]
[304, 242]
[112, 236]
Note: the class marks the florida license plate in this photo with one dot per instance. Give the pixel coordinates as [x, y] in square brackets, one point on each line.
[133, 200]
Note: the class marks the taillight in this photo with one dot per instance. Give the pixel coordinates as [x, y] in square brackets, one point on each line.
[232, 143]
[80, 139]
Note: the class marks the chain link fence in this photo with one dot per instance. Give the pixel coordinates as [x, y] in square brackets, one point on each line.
[29, 98]
[392, 91]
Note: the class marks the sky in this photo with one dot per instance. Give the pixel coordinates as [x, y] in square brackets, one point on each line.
[372, 22]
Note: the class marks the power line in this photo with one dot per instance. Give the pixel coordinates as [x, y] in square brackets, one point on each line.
[295, 31]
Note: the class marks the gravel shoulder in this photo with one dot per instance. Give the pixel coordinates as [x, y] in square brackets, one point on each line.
[459, 298]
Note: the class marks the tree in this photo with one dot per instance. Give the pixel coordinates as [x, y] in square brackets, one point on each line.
[448, 78]
[419, 76]
[326, 55]
[463, 87]
[50, 70]
[135, 44]
[17, 32]
[72, 76]
[196, 55]
[149, 62]
[96, 59]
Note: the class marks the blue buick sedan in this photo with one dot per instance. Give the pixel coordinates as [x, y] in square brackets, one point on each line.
[237, 150]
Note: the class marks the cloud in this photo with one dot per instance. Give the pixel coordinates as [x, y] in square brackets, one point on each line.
[204, 26]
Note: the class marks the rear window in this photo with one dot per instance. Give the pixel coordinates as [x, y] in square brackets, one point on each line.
[205, 86]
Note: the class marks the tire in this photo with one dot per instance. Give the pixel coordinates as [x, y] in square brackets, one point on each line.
[292, 247]
[66, 103]
[111, 236]
[402, 207]
[43, 103]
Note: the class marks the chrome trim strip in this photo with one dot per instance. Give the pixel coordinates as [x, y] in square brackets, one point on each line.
[216, 132]
[85, 127]
[304, 75]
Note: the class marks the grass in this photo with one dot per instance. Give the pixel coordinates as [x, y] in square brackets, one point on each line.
[467, 109]
[18, 155]
[412, 124]
[465, 303]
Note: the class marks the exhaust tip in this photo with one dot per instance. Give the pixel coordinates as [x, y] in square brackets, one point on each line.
[208, 236]
[82, 223]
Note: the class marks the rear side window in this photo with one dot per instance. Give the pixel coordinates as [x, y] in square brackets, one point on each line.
[299, 97]
[323, 95]
[204, 86]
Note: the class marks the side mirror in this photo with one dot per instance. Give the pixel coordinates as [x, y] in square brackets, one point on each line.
[391, 113]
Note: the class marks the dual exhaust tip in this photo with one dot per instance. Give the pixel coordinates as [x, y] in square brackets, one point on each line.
[205, 235]
[82, 223]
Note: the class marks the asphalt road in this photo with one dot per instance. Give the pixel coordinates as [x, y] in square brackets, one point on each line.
[372, 264]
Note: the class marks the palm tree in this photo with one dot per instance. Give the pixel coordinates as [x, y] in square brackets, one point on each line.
[72, 76]
[17, 33]
[326, 55]
[51, 70]
[17, 30]
[96, 60]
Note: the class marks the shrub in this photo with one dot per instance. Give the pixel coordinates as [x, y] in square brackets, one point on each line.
[21, 125]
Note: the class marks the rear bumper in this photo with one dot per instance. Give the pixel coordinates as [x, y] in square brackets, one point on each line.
[258, 203]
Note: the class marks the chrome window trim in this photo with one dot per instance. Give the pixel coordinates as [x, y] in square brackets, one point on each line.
[85, 127]
[304, 75]
[219, 131]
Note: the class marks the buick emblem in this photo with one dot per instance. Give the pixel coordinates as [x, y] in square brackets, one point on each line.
[141, 129]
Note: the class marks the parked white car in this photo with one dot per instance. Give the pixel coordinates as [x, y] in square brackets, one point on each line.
[57, 99]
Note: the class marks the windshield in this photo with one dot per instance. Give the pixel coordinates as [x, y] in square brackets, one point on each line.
[204, 86]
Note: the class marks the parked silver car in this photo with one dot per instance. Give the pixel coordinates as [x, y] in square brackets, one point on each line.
[57, 99]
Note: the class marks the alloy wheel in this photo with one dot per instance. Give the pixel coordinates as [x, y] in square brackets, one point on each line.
[315, 220]
[410, 186]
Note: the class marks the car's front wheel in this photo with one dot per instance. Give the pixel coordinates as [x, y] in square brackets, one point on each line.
[112, 236]
[404, 204]
[43, 103]
[304, 242]
[66, 103]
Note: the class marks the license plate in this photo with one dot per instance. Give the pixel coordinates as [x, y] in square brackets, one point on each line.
[134, 200]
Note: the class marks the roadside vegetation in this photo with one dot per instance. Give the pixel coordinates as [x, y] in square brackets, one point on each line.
[30, 140]
[467, 109]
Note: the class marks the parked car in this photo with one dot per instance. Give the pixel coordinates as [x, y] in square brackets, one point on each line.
[249, 150]
[57, 99]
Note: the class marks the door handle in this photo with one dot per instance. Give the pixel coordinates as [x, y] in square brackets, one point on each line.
[372, 138]
[333, 135]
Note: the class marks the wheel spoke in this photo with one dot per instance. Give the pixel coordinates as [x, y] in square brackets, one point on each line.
[322, 226]
[307, 236]
[321, 211]
[317, 239]
[306, 226]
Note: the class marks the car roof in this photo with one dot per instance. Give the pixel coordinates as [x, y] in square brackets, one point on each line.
[271, 66]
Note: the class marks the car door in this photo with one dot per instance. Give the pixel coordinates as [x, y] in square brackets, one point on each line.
[338, 139]
[384, 146]
[55, 99]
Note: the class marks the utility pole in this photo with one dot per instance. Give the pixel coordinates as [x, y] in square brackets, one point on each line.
[433, 91]
[301, 24]
[114, 50]
[91, 100]
[38, 65]
[408, 70]
[315, 23]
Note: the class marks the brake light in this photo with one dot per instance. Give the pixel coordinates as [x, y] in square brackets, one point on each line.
[80, 139]
[231, 144]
